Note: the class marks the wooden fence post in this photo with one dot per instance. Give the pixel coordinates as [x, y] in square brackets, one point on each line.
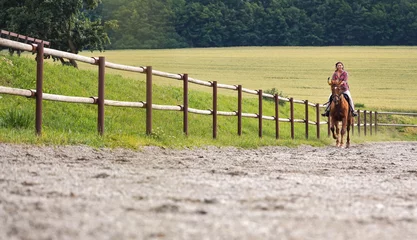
[328, 125]
[370, 123]
[306, 117]
[260, 112]
[318, 120]
[239, 110]
[292, 117]
[276, 116]
[39, 88]
[148, 100]
[185, 106]
[214, 84]
[376, 122]
[100, 100]
[364, 122]
[359, 123]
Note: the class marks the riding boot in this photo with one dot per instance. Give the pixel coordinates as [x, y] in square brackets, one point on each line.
[354, 114]
[352, 111]
[327, 111]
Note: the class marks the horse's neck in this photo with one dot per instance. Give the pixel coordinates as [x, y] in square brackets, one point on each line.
[341, 103]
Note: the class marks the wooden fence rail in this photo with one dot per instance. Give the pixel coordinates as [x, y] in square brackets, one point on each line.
[149, 106]
[26, 39]
[18, 38]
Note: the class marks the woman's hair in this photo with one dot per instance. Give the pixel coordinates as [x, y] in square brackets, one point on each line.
[343, 65]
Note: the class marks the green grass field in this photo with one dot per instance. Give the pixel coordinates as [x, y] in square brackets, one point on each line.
[300, 73]
[381, 78]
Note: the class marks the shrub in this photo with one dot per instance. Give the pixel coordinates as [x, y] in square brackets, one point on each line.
[274, 91]
[15, 118]
[359, 105]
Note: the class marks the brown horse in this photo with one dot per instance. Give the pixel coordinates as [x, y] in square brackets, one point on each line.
[339, 112]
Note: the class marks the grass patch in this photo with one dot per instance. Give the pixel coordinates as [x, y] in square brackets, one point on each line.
[69, 123]
[16, 118]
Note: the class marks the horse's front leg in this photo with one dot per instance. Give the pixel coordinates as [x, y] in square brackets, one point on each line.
[332, 124]
[343, 131]
[336, 134]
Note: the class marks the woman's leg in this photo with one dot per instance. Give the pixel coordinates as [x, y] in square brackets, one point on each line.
[327, 111]
[328, 104]
[351, 103]
[350, 100]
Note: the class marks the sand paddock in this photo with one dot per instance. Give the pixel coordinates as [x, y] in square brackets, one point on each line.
[368, 191]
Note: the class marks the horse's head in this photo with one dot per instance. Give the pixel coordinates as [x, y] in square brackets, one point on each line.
[335, 88]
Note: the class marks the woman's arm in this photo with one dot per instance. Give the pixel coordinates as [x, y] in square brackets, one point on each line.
[344, 76]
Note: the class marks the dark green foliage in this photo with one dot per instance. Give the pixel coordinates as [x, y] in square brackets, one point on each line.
[70, 25]
[215, 23]
[75, 25]
[274, 91]
[359, 105]
[143, 23]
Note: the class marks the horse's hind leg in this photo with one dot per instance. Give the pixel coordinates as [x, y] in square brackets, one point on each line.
[348, 139]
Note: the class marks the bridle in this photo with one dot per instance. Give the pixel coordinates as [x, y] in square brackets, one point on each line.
[336, 95]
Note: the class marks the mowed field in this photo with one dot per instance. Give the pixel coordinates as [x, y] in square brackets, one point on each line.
[381, 78]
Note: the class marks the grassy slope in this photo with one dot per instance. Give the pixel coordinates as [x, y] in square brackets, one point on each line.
[67, 123]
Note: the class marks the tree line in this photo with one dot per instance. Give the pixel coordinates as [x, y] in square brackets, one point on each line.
[76, 25]
[223, 23]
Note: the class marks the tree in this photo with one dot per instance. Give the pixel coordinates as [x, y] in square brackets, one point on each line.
[65, 23]
[202, 26]
[144, 23]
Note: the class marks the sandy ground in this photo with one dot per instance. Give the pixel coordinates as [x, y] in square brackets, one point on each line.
[368, 191]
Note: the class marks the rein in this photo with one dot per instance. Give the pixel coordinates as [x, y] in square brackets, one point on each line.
[336, 98]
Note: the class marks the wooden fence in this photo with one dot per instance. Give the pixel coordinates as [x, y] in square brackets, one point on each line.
[19, 37]
[100, 100]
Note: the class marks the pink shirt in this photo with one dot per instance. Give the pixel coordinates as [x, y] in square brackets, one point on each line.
[343, 77]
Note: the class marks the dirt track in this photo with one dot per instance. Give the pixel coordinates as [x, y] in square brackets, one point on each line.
[366, 192]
